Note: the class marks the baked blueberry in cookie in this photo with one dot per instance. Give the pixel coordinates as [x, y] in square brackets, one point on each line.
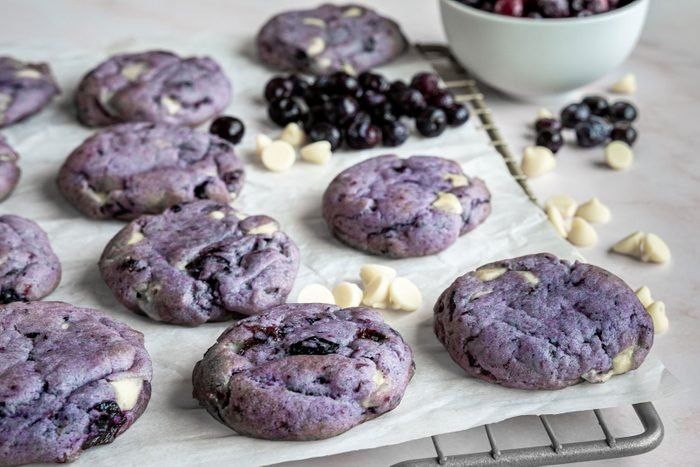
[330, 38]
[303, 372]
[70, 379]
[404, 207]
[25, 89]
[539, 322]
[154, 86]
[9, 170]
[200, 262]
[131, 169]
[29, 269]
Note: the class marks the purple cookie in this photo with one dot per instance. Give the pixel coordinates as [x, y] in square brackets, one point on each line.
[154, 86]
[143, 168]
[200, 262]
[25, 89]
[9, 170]
[330, 38]
[538, 322]
[303, 372]
[29, 269]
[404, 207]
[70, 378]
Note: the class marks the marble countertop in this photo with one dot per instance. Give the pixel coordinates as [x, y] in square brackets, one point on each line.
[661, 193]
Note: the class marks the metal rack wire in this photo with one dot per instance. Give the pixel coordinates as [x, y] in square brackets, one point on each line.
[608, 446]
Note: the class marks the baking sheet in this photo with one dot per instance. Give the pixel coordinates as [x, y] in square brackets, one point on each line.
[440, 399]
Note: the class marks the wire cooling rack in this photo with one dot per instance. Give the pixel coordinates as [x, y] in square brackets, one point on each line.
[556, 452]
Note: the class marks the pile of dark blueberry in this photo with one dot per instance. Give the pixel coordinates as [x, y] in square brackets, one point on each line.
[363, 111]
[594, 120]
[546, 8]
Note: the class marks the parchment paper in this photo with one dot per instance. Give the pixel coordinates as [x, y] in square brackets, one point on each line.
[440, 399]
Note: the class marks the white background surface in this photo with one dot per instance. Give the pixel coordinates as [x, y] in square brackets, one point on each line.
[659, 194]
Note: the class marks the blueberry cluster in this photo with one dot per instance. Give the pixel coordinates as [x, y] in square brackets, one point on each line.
[594, 120]
[363, 111]
[546, 8]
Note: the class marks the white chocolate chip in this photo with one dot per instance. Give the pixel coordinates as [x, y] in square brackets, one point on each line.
[644, 295]
[622, 363]
[657, 311]
[376, 292]
[653, 249]
[240, 215]
[630, 245]
[537, 161]
[218, 215]
[97, 196]
[5, 101]
[65, 326]
[625, 85]
[594, 376]
[135, 237]
[528, 276]
[315, 293]
[404, 295]
[619, 155]
[323, 62]
[489, 274]
[127, 392]
[134, 70]
[316, 46]
[347, 295]
[378, 378]
[594, 211]
[317, 153]
[352, 12]
[564, 203]
[29, 73]
[311, 21]
[261, 142]
[557, 221]
[369, 271]
[544, 113]
[449, 203]
[278, 156]
[265, 229]
[293, 134]
[456, 180]
[349, 69]
[479, 294]
[171, 105]
[582, 233]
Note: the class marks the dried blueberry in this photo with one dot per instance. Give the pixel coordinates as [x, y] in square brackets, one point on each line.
[324, 131]
[340, 109]
[382, 113]
[623, 111]
[105, 425]
[552, 8]
[278, 88]
[551, 124]
[313, 346]
[573, 114]
[344, 84]
[395, 90]
[509, 7]
[371, 99]
[229, 128]
[411, 102]
[362, 134]
[427, 83]
[599, 105]
[550, 139]
[457, 114]
[9, 295]
[394, 133]
[431, 122]
[624, 131]
[287, 110]
[374, 82]
[593, 132]
[441, 99]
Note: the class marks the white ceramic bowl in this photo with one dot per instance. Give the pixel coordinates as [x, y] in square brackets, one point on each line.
[536, 57]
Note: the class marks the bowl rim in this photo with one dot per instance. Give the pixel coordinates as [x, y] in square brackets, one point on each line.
[545, 22]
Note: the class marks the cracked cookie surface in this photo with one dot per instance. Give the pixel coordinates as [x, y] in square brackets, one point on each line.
[303, 372]
[131, 169]
[404, 207]
[29, 269]
[154, 86]
[330, 38]
[25, 89]
[538, 322]
[9, 170]
[70, 378]
[200, 262]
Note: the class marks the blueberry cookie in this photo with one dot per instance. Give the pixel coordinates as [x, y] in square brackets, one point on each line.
[29, 269]
[70, 378]
[154, 86]
[404, 207]
[200, 262]
[303, 372]
[538, 322]
[9, 170]
[330, 38]
[143, 168]
[25, 89]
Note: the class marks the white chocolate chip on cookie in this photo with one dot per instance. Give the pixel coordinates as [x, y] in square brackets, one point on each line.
[564, 203]
[135, 237]
[554, 216]
[582, 233]
[264, 229]
[316, 46]
[28, 73]
[293, 134]
[653, 249]
[489, 274]
[311, 21]
[594, 211]
[171, 105]
[404, 295]
[528, 276]
[644, 295]
[625, 85]
[369, 271]
[315, 293]
[134, 70]
[619, 155]
[352, 12]
[347, 295]
[218, 215]
[537, 161]
[622, 363]
[127, 392]
[449, 203]
[278, 156]
[456, 180]
[317, 153]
